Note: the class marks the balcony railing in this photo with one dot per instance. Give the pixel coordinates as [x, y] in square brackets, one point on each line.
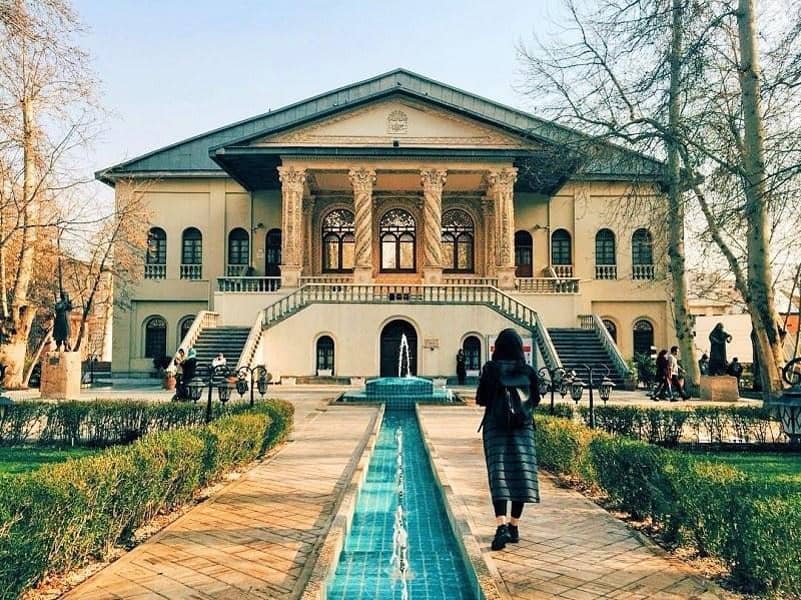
[546, 285]
[643, 272]
[605, 271]
[563, 271]
[191, 272]
[453, 279]
[155, 271]
[340, 278]
[245, 285]
[235, 270]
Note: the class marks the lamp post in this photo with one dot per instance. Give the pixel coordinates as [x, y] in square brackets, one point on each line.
[555, 381]
[259, 378]
[788, 405]
[604, 389]
[198, 384]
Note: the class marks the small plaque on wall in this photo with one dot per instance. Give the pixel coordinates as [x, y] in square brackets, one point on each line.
[431, 343]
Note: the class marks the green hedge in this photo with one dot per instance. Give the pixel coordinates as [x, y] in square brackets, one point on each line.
[99, 422]
[64, 515]
[753, 525]
[666, 426]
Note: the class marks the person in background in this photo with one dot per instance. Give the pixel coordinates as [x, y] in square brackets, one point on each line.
[735, 369]
[461, 368]
[219, 361]
[508, 390]
[703, 364]
[662, 377]
[676, 374]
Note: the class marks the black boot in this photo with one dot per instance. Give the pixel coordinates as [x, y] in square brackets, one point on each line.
[501, 538]
[514, 534]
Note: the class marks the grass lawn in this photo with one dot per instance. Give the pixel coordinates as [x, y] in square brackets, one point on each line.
[777, 467]
[21, 459]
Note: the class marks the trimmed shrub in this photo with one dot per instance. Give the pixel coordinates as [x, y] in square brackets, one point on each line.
[100, 422]
[752, 524]
[61, 516]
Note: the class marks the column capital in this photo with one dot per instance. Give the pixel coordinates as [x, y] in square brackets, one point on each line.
[433, 180]
[292, 179]
[362, 179]
[499, 180]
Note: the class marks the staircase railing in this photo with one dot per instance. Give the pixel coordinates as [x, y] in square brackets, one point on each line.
[594, 322]
[252, 343]
[205, 319]
[485, 295]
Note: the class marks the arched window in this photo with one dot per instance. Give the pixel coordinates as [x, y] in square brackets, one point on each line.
[472, 353]
[457, 241]
[611, 328]
[605, 262]
[184, 325]
[338, 241]
[238, 252]
[562, 253]
[325, 355]
[191, 254]
[642, 255]
[524, 254]
[397, 241]
[155, 337]
[156, 257]
[643, 337]
[272, 254]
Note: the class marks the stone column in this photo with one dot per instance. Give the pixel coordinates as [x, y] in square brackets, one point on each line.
[308, 235]
[433, 181]
[292, 183]
[500, 187]
[362, 181]
[487, 211]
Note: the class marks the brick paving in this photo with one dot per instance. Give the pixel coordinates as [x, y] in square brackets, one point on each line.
[570, 548]
[259, 536]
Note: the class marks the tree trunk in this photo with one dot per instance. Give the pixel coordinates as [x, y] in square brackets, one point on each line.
[681, 312]
[760, 280]
[16, 325]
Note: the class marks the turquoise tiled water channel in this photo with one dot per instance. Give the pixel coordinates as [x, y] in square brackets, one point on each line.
[438, 571]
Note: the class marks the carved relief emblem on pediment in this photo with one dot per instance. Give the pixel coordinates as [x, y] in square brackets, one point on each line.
[397, 122]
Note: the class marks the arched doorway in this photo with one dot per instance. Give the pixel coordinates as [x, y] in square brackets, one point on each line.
[643, 337]
[391, 337]
[325, 356]
[472, 355]
[524, 254]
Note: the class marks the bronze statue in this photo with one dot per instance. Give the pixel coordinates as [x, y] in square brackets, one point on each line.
[61, 327]
[718, 339]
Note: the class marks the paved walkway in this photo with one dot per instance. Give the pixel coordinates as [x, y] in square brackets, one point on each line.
[570, 548]
[258, 537]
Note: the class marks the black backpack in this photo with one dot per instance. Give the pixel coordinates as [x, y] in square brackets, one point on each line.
[511, 408]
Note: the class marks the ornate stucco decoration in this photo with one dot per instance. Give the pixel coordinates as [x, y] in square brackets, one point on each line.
[500, 187]
[362, 181]
[433, 181]
[397, 122]
[292, 185]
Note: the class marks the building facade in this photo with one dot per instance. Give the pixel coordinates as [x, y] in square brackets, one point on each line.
[396, 206]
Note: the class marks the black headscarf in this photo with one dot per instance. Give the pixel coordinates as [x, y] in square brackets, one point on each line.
[509, 346]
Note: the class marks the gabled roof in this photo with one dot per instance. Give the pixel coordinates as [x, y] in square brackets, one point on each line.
[194, 156]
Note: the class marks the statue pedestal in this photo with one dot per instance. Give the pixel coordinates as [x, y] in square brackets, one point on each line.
[61, 376]
[719, 388]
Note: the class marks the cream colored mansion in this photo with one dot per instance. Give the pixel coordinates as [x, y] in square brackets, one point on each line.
[322, 232]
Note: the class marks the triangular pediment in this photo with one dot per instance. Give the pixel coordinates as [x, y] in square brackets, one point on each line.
[407, 122]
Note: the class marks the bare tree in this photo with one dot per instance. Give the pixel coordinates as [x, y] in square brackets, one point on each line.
[682, 79]
[47, 111]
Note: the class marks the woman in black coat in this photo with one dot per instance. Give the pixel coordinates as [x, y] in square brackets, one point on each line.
[508, 391]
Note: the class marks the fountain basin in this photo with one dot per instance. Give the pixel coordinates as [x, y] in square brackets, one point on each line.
[400, 393]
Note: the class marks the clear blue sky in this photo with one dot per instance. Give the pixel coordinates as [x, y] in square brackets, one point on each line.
[172, 69]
